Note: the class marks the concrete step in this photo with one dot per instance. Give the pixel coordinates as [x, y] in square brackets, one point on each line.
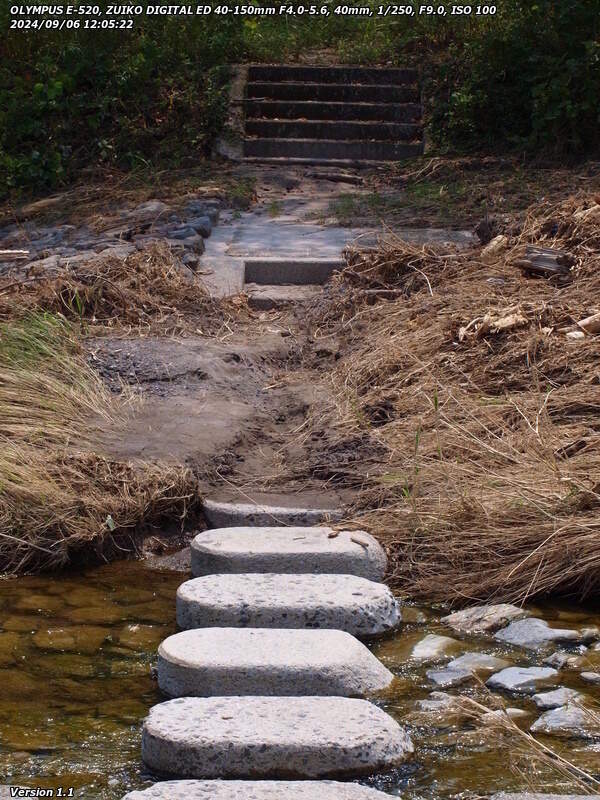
[221, 662]
[294, 550]
[382, 93]
[272, 737]
[313, 110]
[266, 790]
[303, 129]
[278, 73]
[294, 271]
[324, 149]
[221, 514]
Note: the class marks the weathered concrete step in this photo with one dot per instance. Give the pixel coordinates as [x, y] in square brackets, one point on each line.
[224, 515]
[269, 296]
[315, 110]
[330, 149]
[256, 790]
[310, 129]
[252, 661]
[295, 550]
[269, 600]
[378, 93]
[297, 271]
[271, 737]
[319, 74]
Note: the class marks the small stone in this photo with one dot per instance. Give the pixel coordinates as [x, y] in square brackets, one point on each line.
[272, 737]
[344, 602]
[483, 619]
[555, 699]
[591, 677]
[535, 633]
[434, 648]
[437, 701]
[253, 661]
[522, 680]
[256, 790]
[446, 678]
[561, 660]
[181, 232]
[201, 225]
[151, 208]
[498, 714]
[194, 243]
[567, 722]
[590, 634]
[478, 662]
[86, 640]
[282, 550]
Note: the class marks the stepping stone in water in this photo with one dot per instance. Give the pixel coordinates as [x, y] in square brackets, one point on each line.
[344, 602]
[252, 661]
[556, 699]
[220, 515]
[568, 722]
[272, 737]
[256, 790]
[534, 633]
[483, 619]
[281, 550]
[522, 680]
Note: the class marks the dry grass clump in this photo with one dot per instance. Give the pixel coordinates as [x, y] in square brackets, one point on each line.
[488, 413]
[58, 500]
[148, 291]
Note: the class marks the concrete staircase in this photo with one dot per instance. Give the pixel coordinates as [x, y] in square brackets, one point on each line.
[332, 115]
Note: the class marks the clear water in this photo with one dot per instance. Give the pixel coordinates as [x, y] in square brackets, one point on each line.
[75, 666]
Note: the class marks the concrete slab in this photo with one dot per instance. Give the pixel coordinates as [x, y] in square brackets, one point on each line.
[272, 737]
[220, 662]
[292, 549]
[343, 602]
[224, 514]
[256, 790]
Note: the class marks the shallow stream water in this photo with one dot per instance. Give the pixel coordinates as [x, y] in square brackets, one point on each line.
[75, 665]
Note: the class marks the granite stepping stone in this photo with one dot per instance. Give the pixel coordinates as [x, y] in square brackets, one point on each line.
[256, 790]
[272, 737]
[222, 514]
[252, 661]
[270, 600]
[282, 549]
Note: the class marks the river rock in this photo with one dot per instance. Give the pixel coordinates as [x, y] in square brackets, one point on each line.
[570, 721]
[434, 648]
[181, 232]
[555, 699]
[344, 602]
[272, 737]
[562, 660]
[295, 550]
[483, 619]
[522, 680]
[446, 678]
[591, 677]
[223, 515]
[539, 796]
[463, 668]
[253, 661]
[256, 790]
[202, 225]
[534, 633]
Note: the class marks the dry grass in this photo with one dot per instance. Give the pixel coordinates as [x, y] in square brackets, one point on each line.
[58, 500]
[483, 415]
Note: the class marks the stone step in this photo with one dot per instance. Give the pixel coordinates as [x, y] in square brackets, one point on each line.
[319, 74]
[256, 790]
[224, 515]
[275, 296]
[343, 602]
[253, 661]
[315, 110]
[323, 149]
[298, 271]
[378, 93]
[288, 550]
[271, 737]
[328, 129]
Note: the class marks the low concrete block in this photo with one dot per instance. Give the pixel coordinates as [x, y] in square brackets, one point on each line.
[295, 550]
[256, 790]
[211, 662]
[272, 737]
[271, 600]
[223, 515]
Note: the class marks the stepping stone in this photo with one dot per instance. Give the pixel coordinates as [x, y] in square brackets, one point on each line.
[535, 633]
[568, 722]
[522, 680]
[252, 661]
[256, 790]
[222, 515]
[293, 550]
[556, 699]
[483, 619]
[344, 602]
[272, 737]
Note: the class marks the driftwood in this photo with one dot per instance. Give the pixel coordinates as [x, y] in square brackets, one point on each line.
[545, 261]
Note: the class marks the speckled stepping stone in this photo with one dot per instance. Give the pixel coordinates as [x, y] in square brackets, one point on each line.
[344, 602]
[297, 550]
[220, 514]
[271, 737]
[252, 661]
[256, 790]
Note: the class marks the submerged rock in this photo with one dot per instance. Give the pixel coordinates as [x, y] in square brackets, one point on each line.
[535, 633]
[464, 667]
[434, 648]
[483, 619]
[591, 677]
[562, 660]
[522, 680]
